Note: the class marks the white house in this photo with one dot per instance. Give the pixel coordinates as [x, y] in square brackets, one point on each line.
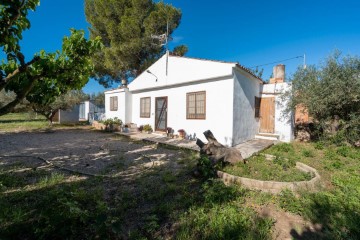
[196, 95]
[85, 111]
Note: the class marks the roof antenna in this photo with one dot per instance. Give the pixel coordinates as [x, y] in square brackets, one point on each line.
[164, 41]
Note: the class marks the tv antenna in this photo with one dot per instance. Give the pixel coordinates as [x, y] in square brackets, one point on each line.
[164, 41]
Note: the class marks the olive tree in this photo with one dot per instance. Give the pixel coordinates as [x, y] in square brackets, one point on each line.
[331, 94]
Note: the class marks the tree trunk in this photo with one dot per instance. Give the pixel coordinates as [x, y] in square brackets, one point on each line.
[218, 152]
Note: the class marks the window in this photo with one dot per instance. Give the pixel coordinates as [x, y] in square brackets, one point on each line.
[257, 107]
[196, 105]
[113, 103]
[145, 107]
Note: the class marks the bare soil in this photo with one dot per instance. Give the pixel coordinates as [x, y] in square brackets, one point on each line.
[83, 151]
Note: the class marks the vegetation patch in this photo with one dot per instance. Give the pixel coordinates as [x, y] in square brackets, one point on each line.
[336, 206]
[279, 169]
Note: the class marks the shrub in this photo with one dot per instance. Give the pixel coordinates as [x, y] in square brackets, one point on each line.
[147, 128]
[205, 167]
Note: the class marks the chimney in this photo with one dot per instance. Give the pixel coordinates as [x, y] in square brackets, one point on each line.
[124, 83]
[278, 74]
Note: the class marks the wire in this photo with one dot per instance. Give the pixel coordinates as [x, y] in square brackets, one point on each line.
[277, 61]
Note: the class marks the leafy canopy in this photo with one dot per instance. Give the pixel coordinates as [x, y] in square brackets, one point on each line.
[47, 75]
[331, 91]
[126, 28]
[63, 102]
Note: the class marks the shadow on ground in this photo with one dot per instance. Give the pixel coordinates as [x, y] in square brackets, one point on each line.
[38, 201]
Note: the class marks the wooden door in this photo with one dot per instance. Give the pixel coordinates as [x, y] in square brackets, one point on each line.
[160, 113]
[267, 115]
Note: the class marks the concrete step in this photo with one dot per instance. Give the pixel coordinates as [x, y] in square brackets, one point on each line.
[267, 136]
[158, 133]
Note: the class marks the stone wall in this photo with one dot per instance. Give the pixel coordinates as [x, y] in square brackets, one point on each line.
[273, 186]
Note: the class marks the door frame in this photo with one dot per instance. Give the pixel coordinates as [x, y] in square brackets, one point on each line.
[270, 117]
[156, 115]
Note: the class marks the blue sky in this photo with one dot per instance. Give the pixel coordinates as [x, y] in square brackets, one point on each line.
[249, 32]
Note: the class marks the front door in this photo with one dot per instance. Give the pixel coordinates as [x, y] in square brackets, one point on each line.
[267, 115]
[160, 113]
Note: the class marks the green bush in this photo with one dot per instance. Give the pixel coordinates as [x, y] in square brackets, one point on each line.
[205, 167]
[147, 128]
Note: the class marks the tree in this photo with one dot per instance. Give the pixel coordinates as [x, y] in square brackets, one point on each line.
[330, 93]
[46, 75]
[126, 28]
[63, 102]
[99, 98]
[180, 50]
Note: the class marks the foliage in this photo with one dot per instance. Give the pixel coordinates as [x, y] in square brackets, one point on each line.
[335, 205]
[46, 75]
[8, 96]
[126, 28]
[13, 22]
[112, 121]
[99, 98]
[279, 169]
[63, 102]
[147, 128]
[330, 93]
[205, 167]
[180, 50]
[222, 217]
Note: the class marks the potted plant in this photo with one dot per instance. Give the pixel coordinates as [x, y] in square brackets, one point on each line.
[181, 133]
[169, 131]
[140, 128]
[147, 128]
[116, 124]
[108, 124]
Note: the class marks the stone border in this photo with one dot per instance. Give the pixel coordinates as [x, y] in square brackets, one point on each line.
[272, 186]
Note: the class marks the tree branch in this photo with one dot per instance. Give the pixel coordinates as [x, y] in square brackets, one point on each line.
[19, 97]
[21, 69]
[18, 11]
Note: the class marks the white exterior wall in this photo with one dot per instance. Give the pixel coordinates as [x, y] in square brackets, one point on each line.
[219, 109]
[124, 104]
[87, 109]
[246, 87]
[283, 122]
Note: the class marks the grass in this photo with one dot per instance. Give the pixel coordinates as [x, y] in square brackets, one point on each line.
[163, 202]
[16, 122]
[167, 202]
[22, 122]
[336, 205]
[279, 169]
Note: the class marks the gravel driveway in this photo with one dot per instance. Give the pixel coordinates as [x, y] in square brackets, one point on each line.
[85, 151]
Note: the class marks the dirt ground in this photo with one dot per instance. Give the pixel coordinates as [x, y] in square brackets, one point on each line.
[97, 153]
[85, 151]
